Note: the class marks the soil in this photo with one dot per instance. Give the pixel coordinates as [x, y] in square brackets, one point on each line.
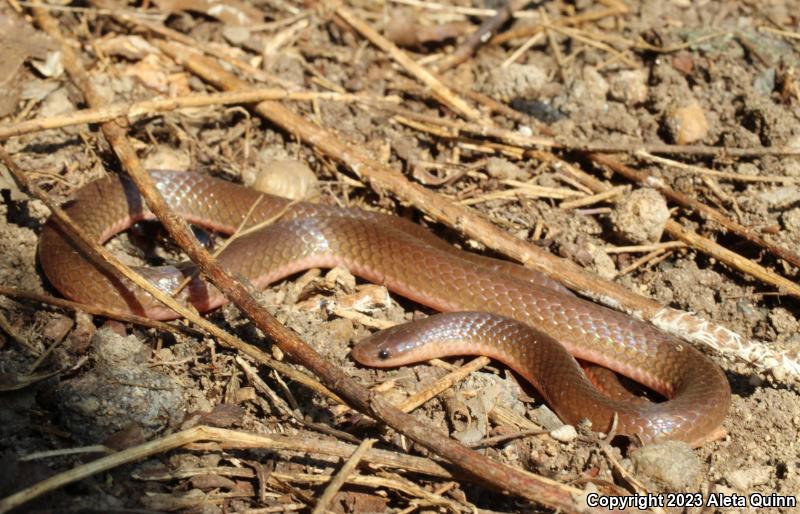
[728, 77]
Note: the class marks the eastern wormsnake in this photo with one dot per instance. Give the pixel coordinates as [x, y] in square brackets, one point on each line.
[527, 321]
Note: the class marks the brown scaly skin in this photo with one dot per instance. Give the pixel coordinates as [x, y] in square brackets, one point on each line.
[537, 314]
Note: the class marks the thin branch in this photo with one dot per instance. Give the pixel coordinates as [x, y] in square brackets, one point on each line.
[229, 439]
[92, 309]
[444, 93]
[481, 36]
[342, 476]
[148, 107]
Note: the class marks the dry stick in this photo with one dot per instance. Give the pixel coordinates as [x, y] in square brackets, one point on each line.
[110, 263]
[97, 311]
[134, 110]
[441, 385]
[341, 477]
[481, 36]
[521, 140]
[707, 212]
[229, 439]
[6, 327]
[575, 34]
[733, 259]
[527, 31]
[714, 173]
[382, 177]
[442, 92]
[495, 474]
[372, 482]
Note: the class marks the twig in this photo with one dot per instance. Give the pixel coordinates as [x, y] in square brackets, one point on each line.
[576, 34]
[531, 142]
[644, 248]
[532, 30]
[714, 173]
[442, 92]
[458, 9]
[491, 441]
[483, 34]
[341, 477]
[97, 311]
[589, 200]
[441, 385]
[524, 47]
[733, 259]
[226, 439]
[134, 110]
[6, 327]
[641, 261]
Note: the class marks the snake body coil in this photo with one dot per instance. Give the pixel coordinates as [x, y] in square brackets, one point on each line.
[533, 316]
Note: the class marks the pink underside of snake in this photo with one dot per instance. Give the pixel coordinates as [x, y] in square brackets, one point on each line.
[538, 315]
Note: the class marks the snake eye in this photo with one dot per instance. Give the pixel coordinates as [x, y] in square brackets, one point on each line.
[384, 354]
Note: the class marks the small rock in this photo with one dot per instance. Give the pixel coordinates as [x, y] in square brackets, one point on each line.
[503, 169]
[546, 418]
[779, 197]
[683, 62]
[245, 394]
[672, 463]
[168, 158]
[791, 220]
[235, 35]
[640, 217]
[515, 81]
[783, 321]
[564, 433]
[340, 329]
[594, 83]
[745, 479]
[121, 389]
[629, 87]
[687, 124]
[602, 263]
[56, 103]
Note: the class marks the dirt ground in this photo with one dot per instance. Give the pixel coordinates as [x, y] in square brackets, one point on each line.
[725, 75]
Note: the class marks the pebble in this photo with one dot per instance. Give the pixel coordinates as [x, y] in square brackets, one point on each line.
[791, 220]
[672, 463]
[687, 124]
[629, 87]
[515, 81]
[564, 433]
[602, 263]
[640, 217]
[746, 479]
[167, 158]
[504, 169]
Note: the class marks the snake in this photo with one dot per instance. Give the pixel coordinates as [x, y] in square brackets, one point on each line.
[487, 306]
